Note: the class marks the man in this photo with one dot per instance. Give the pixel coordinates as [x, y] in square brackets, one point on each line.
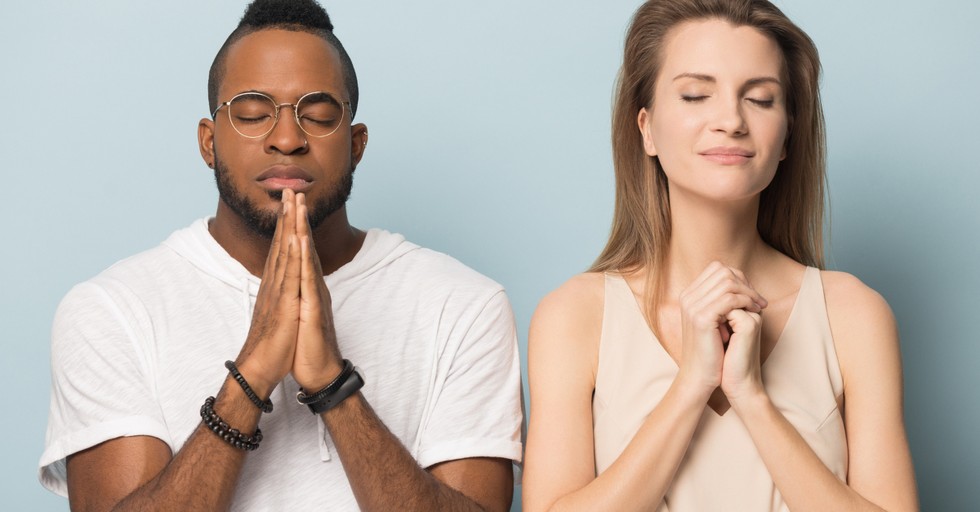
[429, 420]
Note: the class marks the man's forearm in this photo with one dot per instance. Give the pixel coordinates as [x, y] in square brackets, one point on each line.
[203, 474]
[381, 472]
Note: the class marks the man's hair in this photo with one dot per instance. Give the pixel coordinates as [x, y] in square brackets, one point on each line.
[294, 15]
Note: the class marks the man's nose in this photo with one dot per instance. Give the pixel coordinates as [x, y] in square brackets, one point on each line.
[286, 136]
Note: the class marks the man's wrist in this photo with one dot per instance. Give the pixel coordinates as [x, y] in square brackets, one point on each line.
[344, 385]
[329, 373]
[262, 386]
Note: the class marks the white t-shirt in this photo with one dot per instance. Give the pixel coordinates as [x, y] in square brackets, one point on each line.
[137, 349]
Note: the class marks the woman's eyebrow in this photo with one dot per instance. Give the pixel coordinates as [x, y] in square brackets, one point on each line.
[696, 76]
[763, 80]
[748, 83]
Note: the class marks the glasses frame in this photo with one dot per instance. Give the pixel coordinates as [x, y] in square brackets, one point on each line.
[344, 108]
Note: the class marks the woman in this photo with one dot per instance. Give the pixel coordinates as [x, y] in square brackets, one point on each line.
[704, 362]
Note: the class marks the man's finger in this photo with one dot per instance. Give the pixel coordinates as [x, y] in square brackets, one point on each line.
[288, 232]
[270, 261]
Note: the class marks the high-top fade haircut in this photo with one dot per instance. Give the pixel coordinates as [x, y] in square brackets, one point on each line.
[295, 15]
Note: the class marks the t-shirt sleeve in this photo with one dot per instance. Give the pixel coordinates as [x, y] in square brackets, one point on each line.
[101, 382]
[478, 409]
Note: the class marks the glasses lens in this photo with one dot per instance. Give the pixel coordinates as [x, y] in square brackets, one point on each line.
[253, 115]
[319, 114]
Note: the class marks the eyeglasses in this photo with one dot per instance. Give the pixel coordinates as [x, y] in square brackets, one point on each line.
[253, 115]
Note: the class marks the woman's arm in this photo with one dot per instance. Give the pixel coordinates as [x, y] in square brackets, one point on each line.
[880, 474]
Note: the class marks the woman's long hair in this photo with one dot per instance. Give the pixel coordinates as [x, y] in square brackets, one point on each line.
[790, 208]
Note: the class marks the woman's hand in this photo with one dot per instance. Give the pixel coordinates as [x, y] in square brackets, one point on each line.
[707, 307]
[742, 369]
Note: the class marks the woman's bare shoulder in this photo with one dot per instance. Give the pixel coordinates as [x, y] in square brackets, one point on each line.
[847, 297]
[861, 322]
[580, 294]
[570, 316]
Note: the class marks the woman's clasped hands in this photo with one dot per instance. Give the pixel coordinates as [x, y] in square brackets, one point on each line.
[721, 325]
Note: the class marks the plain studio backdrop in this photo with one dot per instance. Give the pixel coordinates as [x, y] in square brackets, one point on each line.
[489, 130]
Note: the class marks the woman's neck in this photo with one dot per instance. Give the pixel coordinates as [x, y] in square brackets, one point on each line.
[704, 230]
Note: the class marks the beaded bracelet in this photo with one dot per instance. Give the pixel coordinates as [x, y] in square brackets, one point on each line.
[329, 389]
[263, 405]
[230, 435]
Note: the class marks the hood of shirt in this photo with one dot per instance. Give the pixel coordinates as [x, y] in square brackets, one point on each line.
[196, 244]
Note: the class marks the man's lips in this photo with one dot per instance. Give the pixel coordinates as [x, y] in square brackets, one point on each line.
[280, 177]
[727, 155]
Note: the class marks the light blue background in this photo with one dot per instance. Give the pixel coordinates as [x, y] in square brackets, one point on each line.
[489, 141]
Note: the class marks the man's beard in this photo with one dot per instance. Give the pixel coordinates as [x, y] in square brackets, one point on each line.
[263, 223]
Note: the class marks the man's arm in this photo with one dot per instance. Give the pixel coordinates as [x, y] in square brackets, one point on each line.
[381, 472]
[138, 473]
[384, 476]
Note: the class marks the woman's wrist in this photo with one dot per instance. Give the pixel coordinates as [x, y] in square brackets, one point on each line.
[750, 402]
[693, 389]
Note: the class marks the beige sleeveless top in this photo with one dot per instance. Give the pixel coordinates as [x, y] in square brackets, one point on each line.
[722, 469]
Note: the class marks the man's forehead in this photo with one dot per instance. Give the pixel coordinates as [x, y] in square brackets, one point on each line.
[281, 61]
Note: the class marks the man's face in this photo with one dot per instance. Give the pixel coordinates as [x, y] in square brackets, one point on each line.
[251, 173]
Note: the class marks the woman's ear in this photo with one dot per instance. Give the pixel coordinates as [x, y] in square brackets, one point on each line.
[643, 121]
[789, 131]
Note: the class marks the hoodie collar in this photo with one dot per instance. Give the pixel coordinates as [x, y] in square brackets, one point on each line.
[196, 245]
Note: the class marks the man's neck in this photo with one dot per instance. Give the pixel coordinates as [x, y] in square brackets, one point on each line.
[336, 241]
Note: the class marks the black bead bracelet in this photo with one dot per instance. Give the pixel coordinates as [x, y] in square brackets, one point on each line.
[263, 405]
[229, 435]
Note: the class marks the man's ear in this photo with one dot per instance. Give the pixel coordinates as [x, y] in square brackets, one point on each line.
[643, 122]
[205, 141]
[358, 142]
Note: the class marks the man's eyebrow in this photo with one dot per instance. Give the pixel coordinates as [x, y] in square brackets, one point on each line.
[324, 96]
[318, 96]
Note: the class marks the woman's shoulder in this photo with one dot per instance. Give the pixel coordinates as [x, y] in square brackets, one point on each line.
[577, 300]
[571, 315]
[584, 290]
[848, 297]
[861, 323]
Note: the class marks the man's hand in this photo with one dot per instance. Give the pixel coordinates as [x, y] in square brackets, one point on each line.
[317, 359]
[268, 353]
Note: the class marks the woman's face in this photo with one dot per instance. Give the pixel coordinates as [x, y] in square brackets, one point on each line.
[718, 121]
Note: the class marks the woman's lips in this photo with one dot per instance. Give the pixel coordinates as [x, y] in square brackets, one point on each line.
[728, 155]
[727, 159]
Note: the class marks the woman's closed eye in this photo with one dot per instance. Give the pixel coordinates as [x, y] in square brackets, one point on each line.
[762, 102]
[694, 98]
